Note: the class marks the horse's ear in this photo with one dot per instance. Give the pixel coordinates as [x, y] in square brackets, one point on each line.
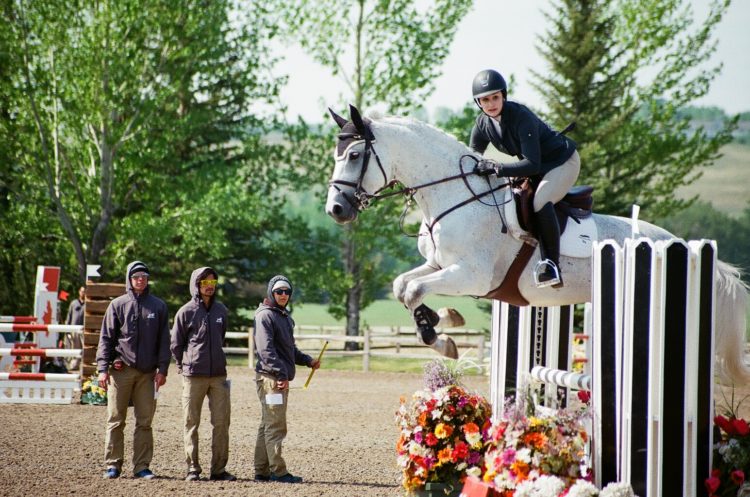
[339, 120]
[357, 119]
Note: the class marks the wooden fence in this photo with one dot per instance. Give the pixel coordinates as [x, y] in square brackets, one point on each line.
[377, 341]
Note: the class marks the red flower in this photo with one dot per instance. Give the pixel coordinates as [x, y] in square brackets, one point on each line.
[740, 427]
[460, 451]
[431, 440]
[737, 476]
[584, 396]
[724, 424]
[712, 484]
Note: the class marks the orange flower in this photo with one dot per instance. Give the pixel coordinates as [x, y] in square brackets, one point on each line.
[444, 455]
[471, 428]
[443, 430]
[422, 420]
[521, 469]
[535, 439]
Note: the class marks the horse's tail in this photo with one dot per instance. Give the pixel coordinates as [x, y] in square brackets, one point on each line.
[732, 297]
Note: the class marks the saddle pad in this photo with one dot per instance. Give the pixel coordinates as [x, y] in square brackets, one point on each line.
[579, 237]
[577, 240]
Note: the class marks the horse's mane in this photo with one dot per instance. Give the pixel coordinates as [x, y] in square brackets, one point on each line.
[421, 127]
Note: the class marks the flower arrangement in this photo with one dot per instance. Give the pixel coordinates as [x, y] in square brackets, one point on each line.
[443, 430]
[92, 393]
[731, 461]
[526, 446]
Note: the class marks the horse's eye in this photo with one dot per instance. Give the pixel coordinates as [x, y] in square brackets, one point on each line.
[353, 155]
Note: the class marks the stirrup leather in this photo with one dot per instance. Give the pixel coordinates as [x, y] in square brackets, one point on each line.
[544, 266]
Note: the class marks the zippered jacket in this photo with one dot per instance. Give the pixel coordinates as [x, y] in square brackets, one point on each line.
[135, 329]
[198, 333]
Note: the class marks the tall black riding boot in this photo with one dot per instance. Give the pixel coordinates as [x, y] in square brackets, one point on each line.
[547, 271]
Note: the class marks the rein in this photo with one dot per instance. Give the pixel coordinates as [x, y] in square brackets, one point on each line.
[362, 198]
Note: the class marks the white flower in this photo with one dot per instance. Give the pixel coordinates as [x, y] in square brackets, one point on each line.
[582, 488]
[524, 455]
[474, 471]
[620, 489]
[544, 486]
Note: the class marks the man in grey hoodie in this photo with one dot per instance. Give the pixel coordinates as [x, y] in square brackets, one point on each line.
[132, 360]
[276, 355]
[197, 338]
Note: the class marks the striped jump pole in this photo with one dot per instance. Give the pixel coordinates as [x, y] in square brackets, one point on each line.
[565, 379]
[38, 377]
[36, 328]
[40, 352]
[17, 319]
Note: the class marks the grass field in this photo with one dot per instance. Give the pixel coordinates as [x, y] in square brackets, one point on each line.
[725, 183]
[389, 312]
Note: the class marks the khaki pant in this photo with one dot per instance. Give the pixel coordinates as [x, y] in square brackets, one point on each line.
[125, 385]
[194, 390]
[558, 182]
[73, 341]
[272, 430]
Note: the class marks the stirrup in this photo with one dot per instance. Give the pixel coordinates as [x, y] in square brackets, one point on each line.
[546, 274]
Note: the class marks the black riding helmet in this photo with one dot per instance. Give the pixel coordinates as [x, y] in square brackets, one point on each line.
[488, 82]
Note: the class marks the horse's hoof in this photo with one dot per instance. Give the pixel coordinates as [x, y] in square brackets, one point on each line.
[426, 317]
[445, 346]
[450, 318]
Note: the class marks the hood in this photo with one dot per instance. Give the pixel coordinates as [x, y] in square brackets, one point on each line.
[198, 275]
[272, 282]
[134, 267]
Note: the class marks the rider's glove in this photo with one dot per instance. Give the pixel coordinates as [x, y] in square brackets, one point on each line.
[485, 167]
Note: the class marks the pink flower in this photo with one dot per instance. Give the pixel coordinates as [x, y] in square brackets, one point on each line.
[737, 476]
[508, 456]
[712, 484]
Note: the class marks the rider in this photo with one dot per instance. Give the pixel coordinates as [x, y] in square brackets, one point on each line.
[549, 156]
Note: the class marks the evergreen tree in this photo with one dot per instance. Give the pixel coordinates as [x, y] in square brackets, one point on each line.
[622, 69]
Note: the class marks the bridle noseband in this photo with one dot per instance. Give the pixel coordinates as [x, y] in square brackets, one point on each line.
[362, 198]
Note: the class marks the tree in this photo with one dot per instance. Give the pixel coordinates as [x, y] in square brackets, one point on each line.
[387, 52]
[622, 70]
[129, 122]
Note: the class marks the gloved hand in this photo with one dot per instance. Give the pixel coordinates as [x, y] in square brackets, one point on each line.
[485, 167]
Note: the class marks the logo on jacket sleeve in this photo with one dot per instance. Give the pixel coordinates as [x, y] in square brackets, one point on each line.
[151, 315]
[219, 320]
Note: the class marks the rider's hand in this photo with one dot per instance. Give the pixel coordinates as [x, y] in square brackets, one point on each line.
[485, 167]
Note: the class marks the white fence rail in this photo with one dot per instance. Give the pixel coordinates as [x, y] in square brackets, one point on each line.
[376, 342]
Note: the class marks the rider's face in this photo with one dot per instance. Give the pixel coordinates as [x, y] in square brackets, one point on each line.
[492, 104]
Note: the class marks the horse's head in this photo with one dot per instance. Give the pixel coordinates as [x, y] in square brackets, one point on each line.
[355, 180]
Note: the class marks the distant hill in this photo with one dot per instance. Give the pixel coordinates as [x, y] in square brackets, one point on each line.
[726, 184]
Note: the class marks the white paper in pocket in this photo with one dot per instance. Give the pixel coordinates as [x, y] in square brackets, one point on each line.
[274, 399]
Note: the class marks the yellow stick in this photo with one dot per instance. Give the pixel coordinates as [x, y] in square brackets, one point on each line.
[325, 346]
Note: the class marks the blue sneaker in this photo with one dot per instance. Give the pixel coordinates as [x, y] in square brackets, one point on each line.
[112, 473]
[145, 474]
[287, 478]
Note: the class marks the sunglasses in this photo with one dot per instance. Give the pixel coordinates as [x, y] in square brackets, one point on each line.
[283, 291]
[139, 275]
[209, 282]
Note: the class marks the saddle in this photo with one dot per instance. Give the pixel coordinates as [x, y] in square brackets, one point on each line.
[576, 204]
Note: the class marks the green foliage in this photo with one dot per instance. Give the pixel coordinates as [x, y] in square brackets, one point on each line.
[621, 70]
[126, 133]
[732, 235]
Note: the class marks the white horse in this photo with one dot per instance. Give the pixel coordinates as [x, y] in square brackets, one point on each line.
[467, 249]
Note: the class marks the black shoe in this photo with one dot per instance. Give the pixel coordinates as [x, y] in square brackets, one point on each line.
[193, 476]
[262, 478]
[223, 477]
[287, 478]
[547, 274]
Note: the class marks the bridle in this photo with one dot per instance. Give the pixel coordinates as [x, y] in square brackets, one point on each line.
[362, 199]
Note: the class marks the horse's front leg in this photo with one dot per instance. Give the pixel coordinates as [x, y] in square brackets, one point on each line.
[399, 284]
[452, 280]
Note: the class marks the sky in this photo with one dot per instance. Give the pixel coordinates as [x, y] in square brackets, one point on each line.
[502, 35]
